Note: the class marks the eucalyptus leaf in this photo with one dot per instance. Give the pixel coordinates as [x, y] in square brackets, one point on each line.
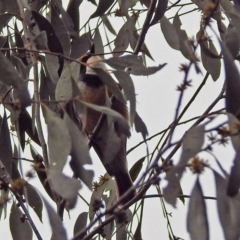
[64, 186]
[34, 200]
[59, 141]
[58, 231]
[197, 214]
[20, 230]
[79, 153]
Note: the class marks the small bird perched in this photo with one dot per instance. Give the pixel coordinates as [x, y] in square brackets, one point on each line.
[94, 91]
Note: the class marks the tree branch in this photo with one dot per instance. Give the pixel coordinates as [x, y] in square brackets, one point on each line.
[145, 28]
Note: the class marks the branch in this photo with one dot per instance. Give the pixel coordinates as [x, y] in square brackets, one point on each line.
[36, 92]
[145, 28]
[6, 179]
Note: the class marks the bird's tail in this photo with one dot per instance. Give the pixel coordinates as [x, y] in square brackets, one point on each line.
[124, 183]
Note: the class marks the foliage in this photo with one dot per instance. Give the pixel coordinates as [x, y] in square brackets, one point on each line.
[42, 45]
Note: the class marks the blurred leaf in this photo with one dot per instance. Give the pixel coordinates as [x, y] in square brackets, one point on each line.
[20, 229]
[228, 209]
[10, 6]
[22, 69]
[5, 145]
[123, 37]
[233, 123]
[52, 64]
[132, 64]
[111, 197]
[98, 43]
[125, 5]
[11, 77]
[210, 63]
[20, 44]
[201, 4]
[25, 125]
[232, 83]
[60, 30]
[109, 201]
[159, 11]
[232, 40]
[58, 231]
[181, 193]
[59, 141]
[4, 196]
[136, 168]
[170, 33]
[47, 88]
[126, 83]
[138, 233]
[73, 12]
[121, 226]
[37, 5]
[67, 20]
[102, 7]
[171, 191]
[234, 178]
[113, 144]
[184, 43]
[3, 41]
[65, 88]
[54, 44]
[64, 186]
[40, 41]
[34, 200]
[197, 214]
[191, 145]
[80, 45]
[140, 126]
[79, 153]
[145, 2]
[121, 231]
[80, 223]
[41, 171]
[108, 24]
[4, 19]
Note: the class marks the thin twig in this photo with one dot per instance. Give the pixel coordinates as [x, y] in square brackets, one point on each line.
[179, 196]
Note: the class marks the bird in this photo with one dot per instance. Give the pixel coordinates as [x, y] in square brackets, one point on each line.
[94, 91]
